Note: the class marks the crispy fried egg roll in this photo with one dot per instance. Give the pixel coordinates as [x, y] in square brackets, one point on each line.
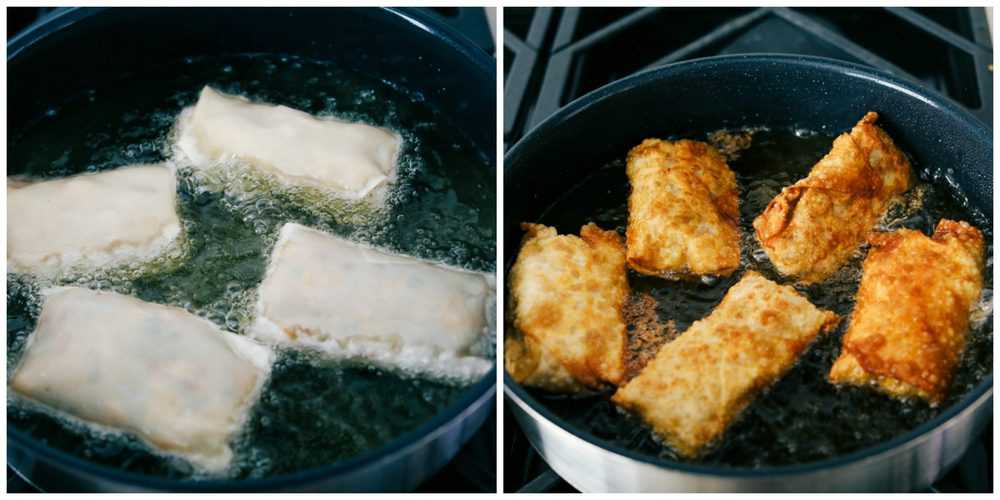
[911, 317]
[566, 294]
[697, 384]
[173, 379]
[91, 221]
[683, 210]
[811, 228]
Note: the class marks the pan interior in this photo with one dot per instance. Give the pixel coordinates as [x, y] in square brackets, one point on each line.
[802, 418]
[313, 411]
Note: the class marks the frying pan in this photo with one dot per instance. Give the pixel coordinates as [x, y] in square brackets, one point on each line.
[779, 91]
[78, 49]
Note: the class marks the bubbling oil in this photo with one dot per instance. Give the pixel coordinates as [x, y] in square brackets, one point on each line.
[313, 411]
[802, 418]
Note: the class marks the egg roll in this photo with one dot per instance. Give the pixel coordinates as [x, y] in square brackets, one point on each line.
[812, 227]
[911, 315]
[299, 149]
[91, 221]
[176, 381]
[354, 302]
[683, 210]
[567, 294]
[701, 381]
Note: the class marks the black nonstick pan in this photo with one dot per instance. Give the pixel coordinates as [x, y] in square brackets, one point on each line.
[119, 63]
[802, 434]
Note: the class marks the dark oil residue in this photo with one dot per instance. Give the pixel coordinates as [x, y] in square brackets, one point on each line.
[311, 412]
[802, 418]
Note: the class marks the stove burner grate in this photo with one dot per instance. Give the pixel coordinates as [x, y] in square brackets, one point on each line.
[554, 55]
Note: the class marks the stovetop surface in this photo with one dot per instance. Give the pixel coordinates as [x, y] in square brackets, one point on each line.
[555, 55]
[473, 470]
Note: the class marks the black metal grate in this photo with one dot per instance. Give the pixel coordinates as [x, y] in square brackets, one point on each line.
[554, 55]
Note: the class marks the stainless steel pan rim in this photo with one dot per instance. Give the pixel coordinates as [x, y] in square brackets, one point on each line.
[982, 395]
[976, 403]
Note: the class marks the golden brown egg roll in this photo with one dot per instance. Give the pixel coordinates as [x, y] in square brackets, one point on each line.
[683, 210]
[911, 317]
[567, 294]
[813, 226]
[701, 381]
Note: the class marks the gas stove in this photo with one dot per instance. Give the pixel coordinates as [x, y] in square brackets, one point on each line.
[555, 55]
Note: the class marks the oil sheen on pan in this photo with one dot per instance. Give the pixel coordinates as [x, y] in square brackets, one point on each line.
[315, 409]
